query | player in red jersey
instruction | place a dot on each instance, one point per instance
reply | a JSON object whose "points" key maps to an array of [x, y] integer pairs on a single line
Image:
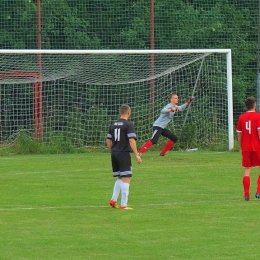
{"points": [[248, 134]]}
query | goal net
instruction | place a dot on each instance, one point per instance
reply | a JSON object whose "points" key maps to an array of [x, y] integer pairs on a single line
{"points": [[73, 96]]}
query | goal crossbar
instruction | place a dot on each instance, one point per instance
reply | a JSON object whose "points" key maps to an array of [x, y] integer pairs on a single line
{"points": [[51, 51]]}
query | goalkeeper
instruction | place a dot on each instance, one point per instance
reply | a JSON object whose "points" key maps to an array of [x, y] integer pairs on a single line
{"points": [[159, 126]]}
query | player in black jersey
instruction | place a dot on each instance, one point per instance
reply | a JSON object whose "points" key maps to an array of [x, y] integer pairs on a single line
{"points": [[121, 140]]}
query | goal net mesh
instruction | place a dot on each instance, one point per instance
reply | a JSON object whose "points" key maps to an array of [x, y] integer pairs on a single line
{"points": [[73, 98]]}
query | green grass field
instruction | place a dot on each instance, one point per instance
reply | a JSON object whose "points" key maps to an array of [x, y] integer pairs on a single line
{"points": [[187, 205]]}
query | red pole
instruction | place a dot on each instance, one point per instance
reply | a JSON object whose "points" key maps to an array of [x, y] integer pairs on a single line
{"points": [[35, 108], [39, 36], [152, 55]]}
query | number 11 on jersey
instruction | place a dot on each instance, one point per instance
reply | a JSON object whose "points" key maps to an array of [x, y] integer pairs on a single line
{"points": [[117, 134]]}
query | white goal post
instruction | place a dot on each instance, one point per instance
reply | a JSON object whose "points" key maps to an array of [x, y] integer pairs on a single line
{"points": [[72, 96]]}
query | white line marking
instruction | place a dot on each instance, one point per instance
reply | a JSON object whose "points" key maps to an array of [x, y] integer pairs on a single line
{"points": [[136, 206]]}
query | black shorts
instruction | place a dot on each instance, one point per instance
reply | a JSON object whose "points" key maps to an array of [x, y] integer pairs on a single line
{"points": [[158, 131], [121, 164]]}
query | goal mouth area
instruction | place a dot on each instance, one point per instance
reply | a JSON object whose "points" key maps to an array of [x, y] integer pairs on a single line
{"points": [[75, 94]]}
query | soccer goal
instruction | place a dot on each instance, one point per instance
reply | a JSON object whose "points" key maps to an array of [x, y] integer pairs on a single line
{"points": [[74, 95]]}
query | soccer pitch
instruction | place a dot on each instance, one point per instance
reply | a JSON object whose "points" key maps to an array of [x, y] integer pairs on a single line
{"points": [[187, 205]]}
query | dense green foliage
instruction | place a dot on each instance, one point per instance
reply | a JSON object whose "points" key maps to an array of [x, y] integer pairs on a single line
{"points": [[118, 24]]}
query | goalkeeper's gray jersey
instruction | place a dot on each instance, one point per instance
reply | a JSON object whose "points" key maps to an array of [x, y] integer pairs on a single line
{"points": [[165, 117]]}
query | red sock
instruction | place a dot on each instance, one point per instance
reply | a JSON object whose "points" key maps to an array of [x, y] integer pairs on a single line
{"points": [[258, 185], [146, 146], [246, 184], [167, 147]]}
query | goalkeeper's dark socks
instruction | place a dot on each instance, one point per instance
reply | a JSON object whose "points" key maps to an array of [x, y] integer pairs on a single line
{"points": [[146, 146], [246, 184], [258, 185], [167, 147]]}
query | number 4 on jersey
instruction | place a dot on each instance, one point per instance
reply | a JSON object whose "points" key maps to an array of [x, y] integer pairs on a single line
{"points": [[248, 126]]}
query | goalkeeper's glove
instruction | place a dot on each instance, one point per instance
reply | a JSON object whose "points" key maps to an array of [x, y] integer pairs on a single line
{"points": [[174, 109], [190, 100]]}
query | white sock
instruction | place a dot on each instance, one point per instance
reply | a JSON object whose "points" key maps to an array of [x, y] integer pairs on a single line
{"points": [[125, 193], [116, 190]]}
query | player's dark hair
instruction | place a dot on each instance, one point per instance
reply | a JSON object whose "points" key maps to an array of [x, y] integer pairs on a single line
{"points": [[250, 102], [124, 109], [170, 96]]}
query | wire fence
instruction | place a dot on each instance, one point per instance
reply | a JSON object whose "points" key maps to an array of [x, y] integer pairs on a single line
{"points": [[140, 24]]}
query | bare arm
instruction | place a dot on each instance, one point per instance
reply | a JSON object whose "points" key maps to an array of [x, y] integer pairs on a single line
{"points": [[135, 151], [239, 137], [109, 144]]}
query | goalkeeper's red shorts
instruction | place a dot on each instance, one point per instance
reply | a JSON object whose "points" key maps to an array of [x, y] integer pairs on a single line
{"points": [[251, 158]]}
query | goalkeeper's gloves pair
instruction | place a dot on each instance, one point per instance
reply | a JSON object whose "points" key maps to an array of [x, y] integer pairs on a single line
{"points": [[190, 100]]}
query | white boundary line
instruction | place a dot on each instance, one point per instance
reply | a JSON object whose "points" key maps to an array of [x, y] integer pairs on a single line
{"points": [[135, 206]]}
